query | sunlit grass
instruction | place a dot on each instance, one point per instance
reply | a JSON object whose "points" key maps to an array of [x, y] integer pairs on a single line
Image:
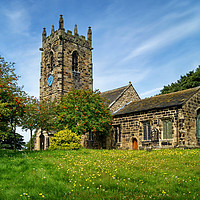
{"points": [[100, 174]]}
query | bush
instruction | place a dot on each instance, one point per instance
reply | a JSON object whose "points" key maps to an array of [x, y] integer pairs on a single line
{"points": [[65, 140]]}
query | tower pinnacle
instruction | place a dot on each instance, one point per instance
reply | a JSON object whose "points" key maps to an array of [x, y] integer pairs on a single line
{"points": [[44, 34], [61, 22], [89, 35], [75, 30], [52, 29]]}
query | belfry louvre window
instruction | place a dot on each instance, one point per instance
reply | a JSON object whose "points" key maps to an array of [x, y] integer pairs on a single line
{"points": [[117, 133], [51, 61], [146, 131], [167, 129], [75, 61]]}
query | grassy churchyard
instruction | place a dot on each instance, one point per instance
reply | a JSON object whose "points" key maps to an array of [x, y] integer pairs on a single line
{"points": [[100, 174]]}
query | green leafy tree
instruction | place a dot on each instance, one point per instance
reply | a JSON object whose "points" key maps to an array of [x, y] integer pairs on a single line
{"points": [[12, 100], [47, 115], [10, 142], [84, 111], [30, 144], [30, 118], [39, 115], [65, 140], [190, 80]]}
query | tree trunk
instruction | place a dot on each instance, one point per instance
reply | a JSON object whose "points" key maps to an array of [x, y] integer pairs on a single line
{"points": [[14, 131], [31, 134]]}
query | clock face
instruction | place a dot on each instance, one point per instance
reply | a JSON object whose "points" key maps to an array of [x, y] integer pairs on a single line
{"points": [[50, 80]]}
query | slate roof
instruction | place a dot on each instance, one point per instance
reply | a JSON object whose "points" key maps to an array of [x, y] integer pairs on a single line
{"points": [[111, 95], [160, 101]]}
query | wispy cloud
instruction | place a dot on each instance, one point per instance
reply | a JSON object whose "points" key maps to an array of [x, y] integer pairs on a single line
{"points": [[18, 19], [165, 38], [114, 79], [150, 92]]}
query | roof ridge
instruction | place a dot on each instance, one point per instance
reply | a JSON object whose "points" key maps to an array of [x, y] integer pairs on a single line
{"points": [[160, 101], [180, 91]]}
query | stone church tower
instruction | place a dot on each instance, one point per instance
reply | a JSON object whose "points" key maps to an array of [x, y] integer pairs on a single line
{"points": [[66, 62]]}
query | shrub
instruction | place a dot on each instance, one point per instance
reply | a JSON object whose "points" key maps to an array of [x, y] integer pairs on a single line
{"points": [[65, 140]]}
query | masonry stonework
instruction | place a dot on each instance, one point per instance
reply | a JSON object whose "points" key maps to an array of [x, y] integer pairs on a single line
{"points": [[132, 128], [182, 118], [66, 64], [119, 97], [163, 121], [127, 96], [67, 58], [188, 122]]}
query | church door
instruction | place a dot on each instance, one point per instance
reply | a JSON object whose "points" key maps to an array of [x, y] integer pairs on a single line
{"points": [[135, 146], [42, 142]]}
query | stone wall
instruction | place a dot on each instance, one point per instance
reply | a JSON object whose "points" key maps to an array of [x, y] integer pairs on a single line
{"points": [[183, 120], [41, 141], [56, 60], [127, 96], [132, 128], [93, 142], [187, 122]]}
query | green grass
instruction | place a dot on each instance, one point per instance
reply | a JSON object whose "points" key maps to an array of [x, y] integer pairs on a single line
{"points": [[100, 174]]}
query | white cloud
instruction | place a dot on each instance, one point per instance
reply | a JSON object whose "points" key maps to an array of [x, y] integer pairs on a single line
{"points": [[114, 79], [150, 92], [18, 19], [165, 38]]}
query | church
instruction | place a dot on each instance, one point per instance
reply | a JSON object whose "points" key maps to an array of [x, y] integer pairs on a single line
{"points": [[164, 121]]}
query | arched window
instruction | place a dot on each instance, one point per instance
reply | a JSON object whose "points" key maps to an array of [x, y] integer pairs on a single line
{"points": [[75, 61], [51, 61], [117, 134]]}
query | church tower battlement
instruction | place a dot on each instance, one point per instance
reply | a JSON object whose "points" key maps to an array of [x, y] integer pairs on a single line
{"points": [[66, 62]]}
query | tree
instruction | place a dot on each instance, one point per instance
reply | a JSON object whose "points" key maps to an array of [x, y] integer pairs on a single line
{"points": [[10, 142], [12, 100], [30, 118], [47, 115], [30, 144], [84, 111], [190, 80]]}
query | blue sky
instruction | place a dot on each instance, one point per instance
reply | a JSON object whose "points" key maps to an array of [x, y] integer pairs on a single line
{"points": [[150, 43]]}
